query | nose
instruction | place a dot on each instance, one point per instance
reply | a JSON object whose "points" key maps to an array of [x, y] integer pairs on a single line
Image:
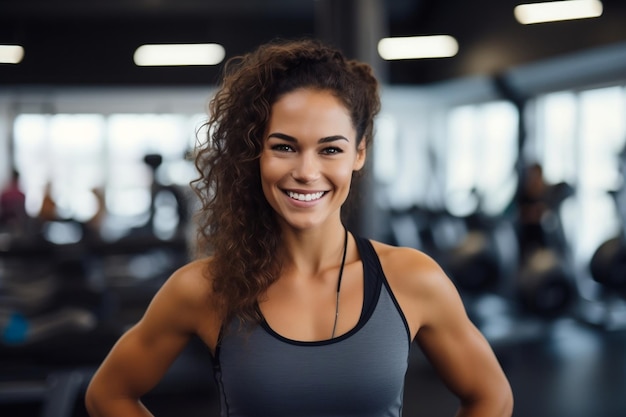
{"points": [[306, 168]]}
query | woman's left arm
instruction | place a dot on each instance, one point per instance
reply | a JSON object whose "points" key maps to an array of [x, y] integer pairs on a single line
{"points": [[439, 323]]}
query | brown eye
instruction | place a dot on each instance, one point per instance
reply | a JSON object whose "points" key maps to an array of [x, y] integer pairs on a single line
{"points": [[282, 147], [331, 150]]}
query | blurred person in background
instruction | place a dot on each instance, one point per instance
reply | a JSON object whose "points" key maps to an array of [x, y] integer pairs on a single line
{"points": [[13, 216], [532, 208], [48, 210]]}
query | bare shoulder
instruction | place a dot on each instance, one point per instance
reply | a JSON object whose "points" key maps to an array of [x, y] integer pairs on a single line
{"points": [[188, 294], [192, 281], [409, 269]]}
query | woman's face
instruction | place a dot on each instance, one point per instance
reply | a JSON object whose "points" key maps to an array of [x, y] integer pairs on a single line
{"points": [[308, 157]]}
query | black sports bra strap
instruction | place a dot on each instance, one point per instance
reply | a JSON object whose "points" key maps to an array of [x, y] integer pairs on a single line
{"points": [[372, 276]]}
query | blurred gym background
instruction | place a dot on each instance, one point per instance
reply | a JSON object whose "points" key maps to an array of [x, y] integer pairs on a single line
{"points": [[504, 157]]}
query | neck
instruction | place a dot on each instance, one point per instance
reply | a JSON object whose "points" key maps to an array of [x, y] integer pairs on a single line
{"points": [[312, 251]]}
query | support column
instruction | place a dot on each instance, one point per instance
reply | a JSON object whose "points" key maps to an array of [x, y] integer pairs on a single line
{"points": [[355, 27], [7, 119]]}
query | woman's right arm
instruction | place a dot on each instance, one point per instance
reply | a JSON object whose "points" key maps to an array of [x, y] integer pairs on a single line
{"points": [[141, 357]]}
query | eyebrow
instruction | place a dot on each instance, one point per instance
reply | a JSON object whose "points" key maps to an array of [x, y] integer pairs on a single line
{"points": [[288, 138]]}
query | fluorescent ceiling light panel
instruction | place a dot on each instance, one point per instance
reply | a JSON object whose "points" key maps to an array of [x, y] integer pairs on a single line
{"points": [[11, 54], [418, 47], [531, 13], [179, 54]]}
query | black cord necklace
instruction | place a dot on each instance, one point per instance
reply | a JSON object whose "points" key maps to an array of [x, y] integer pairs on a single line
{"points": [[343, 262]]}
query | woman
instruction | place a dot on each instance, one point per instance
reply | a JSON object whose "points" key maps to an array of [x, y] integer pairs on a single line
{"points": [[302, 318]]}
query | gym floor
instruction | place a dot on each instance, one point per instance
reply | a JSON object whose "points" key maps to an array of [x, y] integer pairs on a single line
{"points": [[559, 368]]}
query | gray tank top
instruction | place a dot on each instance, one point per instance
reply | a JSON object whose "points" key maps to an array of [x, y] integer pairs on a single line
{"points": [[359, 374]]}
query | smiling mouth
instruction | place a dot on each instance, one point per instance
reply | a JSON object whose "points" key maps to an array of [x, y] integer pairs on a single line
{"points": [[305, 197]]}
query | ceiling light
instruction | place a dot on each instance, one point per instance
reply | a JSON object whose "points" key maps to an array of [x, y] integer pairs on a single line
{"points": [[554, 11], [11, 54], [418, 47], [179, 54]]}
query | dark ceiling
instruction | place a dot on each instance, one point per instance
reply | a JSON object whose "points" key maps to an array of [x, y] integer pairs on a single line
{"points": [[91, 42]]}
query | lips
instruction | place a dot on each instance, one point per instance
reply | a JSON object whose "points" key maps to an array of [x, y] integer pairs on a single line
{"points": [[305, 196]]}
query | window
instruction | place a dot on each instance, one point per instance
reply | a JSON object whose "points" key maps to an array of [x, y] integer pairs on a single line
{"points": [[75, 156], [579, 139], [480, 155]]}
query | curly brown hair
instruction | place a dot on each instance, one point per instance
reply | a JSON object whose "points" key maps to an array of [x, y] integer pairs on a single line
{"points": [[236, 223]]}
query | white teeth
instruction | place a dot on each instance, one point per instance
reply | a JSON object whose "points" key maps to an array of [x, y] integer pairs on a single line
{"points": [[305, 197]]}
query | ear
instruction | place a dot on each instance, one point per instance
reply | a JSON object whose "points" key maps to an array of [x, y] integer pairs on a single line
{"points": [[361, 153]]}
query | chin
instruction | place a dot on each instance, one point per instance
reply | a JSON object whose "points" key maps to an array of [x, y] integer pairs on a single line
{"points": [[301, 224]]}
